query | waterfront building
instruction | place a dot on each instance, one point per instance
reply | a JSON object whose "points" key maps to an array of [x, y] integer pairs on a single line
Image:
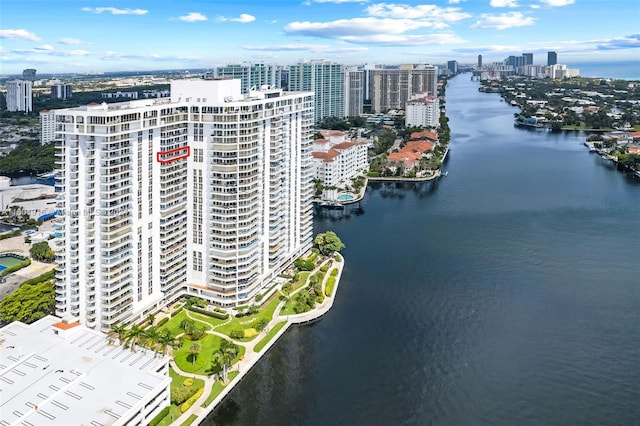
{"points": [[60, 373], [392, 88], [452, 66], [206, 193], [29, 74], [353, 92], [552, 58], [252, 75], [338, 160], [61, 91], [20, 95], [326, 79], [479, 61], [133, 94], [422, 110], [561, 71], [47, 126]]}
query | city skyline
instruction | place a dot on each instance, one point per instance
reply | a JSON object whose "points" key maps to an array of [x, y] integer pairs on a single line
{"points": [[143, 35]]}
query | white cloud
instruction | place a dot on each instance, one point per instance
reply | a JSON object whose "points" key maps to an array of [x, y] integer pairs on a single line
{"points": [[503, 21], [244, 18], [192, 17], [69, 40], [504, 3], [18, 34], [558, 2], [341, 1], [455, 1], [315, 48], [46, 47], [428, 12], [115, 11], [406, 40], [354, 27], [535, 6]]}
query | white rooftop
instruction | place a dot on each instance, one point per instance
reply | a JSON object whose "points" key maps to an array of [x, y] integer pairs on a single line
{"points": [[71, 378]]}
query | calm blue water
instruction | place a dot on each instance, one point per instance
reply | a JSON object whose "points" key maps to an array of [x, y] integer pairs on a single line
{"points": [[626, 70], [507, 293]]}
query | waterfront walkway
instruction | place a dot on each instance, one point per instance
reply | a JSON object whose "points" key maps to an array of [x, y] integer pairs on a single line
{"points": [[251, 357]]}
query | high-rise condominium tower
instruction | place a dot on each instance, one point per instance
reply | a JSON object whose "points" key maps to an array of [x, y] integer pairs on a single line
{"points": [[392, 88], [326, 80], [552, 58], [252, 75], [20, 95], [479, 61], [353, 92], [207, 193]]}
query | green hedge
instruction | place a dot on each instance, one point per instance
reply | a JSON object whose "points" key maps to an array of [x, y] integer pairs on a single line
{"points": [[331, 282], [177, 311], [160, 417], [10, 235], [162, 322], [209, 313], [47, 276], [334, 272], [189, 402], [15, 267]]}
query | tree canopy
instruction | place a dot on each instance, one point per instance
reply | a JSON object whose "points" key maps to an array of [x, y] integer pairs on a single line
{"points": [[328, 242], [42, 252], [28, 303]]}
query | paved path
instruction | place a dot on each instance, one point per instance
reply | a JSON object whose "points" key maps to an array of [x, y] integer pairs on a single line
{"points": [[251, 357]]}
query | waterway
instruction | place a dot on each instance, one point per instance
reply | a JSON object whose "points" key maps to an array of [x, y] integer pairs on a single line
{"points": [[505, 293]]}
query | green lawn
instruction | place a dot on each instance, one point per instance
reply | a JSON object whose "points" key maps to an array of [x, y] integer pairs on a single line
{"points": [[174, 410], [217, 388], [274, 330], [209, 320], [174, 323], [331, 282], [303, 277], [249, 321], [202, 363], [190, 420]]}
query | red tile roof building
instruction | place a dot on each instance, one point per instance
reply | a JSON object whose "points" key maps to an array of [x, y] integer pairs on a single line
{"points": [[337, 160]]}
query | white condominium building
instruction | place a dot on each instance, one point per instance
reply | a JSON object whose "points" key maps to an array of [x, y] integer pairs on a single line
{"points": [[20, 95], [353, 92], [206, 193], [338, 160], [252, 75], [422, 110], [47, 126], [326, 80]]}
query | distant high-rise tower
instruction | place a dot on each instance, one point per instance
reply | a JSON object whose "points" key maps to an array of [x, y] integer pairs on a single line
{"points": [[452, 66], [479, 61], [61, 91], [20, 95], [252, 75], [29, 74], [326, 80], [392, 88], [552, 58], [528, 58], [353, 92]]}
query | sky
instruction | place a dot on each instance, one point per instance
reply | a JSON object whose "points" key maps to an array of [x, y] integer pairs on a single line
{"points": [[67, 36]]}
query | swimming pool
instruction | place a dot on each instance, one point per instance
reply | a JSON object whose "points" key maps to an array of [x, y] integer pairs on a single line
{"points": [[346, 197]]}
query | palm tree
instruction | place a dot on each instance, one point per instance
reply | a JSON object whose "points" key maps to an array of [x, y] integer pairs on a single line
{"points": [[224, 356], [167, 340], [133, 336], [118, 332], [149, 337], [194, 350]]}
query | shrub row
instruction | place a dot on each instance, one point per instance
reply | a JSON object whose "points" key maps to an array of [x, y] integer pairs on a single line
{"points": [[160, 417], [189, 402], [177, 311], [49, 275], [15, 267], [162, 322], [209, 313], [334, 272], [331, 282]]}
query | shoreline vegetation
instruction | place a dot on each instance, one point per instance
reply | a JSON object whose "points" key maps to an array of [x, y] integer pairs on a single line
{"points": [[608, 110], [211, 350]]}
